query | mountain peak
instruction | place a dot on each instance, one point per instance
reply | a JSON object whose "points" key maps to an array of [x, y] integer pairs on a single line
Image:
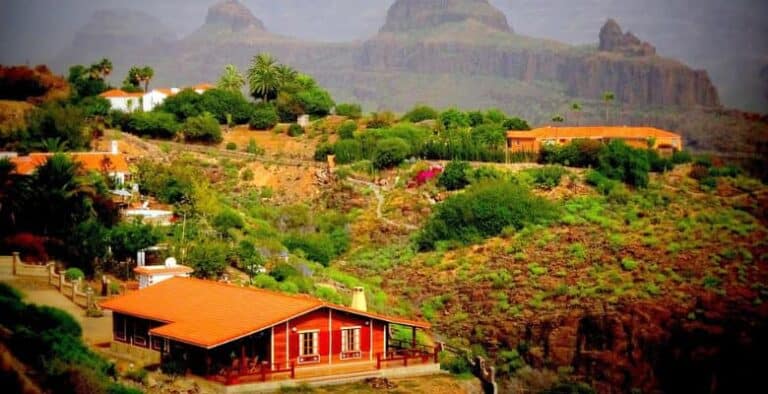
{"points": [[613, 39], [234, 15], [406, 15]]}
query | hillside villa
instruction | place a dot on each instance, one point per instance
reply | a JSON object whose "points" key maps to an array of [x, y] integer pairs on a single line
{"points": [[639, 137], [121, 100], [112, 163], [235, 335]]}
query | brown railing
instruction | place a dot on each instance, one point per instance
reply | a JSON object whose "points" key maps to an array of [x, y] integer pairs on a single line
{"points": [[407, 355], [233, 376]]}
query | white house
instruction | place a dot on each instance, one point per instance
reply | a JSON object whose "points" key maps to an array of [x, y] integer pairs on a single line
{"points": [[123, 101], [132, 102], [153, 274]]}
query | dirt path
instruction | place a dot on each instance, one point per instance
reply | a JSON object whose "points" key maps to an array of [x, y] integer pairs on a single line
{"points": [[377, 191], [95, 330]]}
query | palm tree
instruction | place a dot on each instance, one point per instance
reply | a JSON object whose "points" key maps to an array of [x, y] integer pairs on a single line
{"points": [[264, 77], [145, 75], [286, 74], [576, 109], [557, 118], [231, 79], [608, 98], [52, 145]]}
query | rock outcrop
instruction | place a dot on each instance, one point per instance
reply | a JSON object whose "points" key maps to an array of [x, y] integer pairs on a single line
{"points": [[408, 15], [612, 39], [233, 15]]}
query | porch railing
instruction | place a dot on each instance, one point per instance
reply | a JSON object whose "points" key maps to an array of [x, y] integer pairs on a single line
{"points": [[264, 372], [407, 356]]}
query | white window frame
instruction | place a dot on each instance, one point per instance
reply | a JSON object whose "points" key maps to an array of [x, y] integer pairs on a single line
{"points": [[356, 345], [315, 343]]}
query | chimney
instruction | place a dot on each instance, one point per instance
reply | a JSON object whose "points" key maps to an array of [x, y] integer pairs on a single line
{"points": [[358, 300], [114, 147]]}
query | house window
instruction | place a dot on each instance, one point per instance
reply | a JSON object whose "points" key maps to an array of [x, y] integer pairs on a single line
{"points": [[160, 344], [140, 330], [309, 343], [350, 343], [350, 339]]}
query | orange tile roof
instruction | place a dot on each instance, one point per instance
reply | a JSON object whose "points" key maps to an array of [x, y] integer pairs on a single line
{"points": [[89, 161], [115, 93], [208, 314], [203, 86], [593, 132], [163, 270]]}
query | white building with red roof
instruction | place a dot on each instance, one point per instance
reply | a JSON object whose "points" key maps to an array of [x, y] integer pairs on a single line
{"points": [[121, 100]]}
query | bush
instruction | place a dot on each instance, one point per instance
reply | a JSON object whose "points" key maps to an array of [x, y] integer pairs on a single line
{"points": [[264, 117], [484, 210], [380, 120], [352, 111], [421, 113], [254, 148], [347, 130], [231, 146], [348, 151], [317, 247], [183, 105], [548, 177], [455, 176], [73, 274], [390, 152], [658, 163], [603, 184], [65, 122], [315, 101], [621, 162], [681, 157], [295, 130], [582, 153], [203, 128], [221, 103], [95, 106], [454, 119], [227, 220], [208, 259], [516, 124], [323, 151], [153, 124]]}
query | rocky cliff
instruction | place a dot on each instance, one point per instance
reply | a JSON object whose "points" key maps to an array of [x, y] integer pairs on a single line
{"points": [[407, 15], [233, 15]]}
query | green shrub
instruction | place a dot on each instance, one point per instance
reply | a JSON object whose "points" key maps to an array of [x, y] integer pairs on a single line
{"points": [[183, 105], [231, 146], [390, 152], [264, 117], [453, 119], [203, 128], [352, 111], [548, 177], [628, 264], [484, 210], [317, 247], [681, 157], [295, 130], [73, 274], [455, 364], [153, 124], [221, 103], [455, 176], [516, 124], [208, 259], [601, 182], [348, 151], [658, 163], [380, 120], [315, 101], [95, 106], [347, 130], [253, 148], [247, 175], [323, 151], [421, 113], [227, 220], [577, 153], [621, 162]]}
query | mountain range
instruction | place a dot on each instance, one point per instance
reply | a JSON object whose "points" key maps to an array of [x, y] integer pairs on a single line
{"points": [[728, 39]]}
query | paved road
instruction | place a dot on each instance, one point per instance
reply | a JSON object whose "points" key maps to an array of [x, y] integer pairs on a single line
{"points": [[95, 330]]}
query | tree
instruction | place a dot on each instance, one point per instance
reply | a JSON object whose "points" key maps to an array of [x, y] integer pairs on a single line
{"points": [[202, 128], [231, 79], [264, 117], [390, 152], [621, 162], [250, 258], [421, 113], [557, 118], [264, 77], [221, 103], [350, 110], [138, 77], [183, 104], [102, 69], [576, 110], [126, 239], [454, 119], [608, 98], [85, 82], [208, 259]]}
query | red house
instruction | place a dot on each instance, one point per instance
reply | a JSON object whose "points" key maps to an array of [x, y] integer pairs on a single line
{"points": [[238, 335]]}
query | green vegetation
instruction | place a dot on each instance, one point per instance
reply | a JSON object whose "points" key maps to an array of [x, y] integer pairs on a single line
{"points": [[483, 211], [48, 341], [352, 111], [421, 113], [264, 117], [455, 176], [203, 128]]}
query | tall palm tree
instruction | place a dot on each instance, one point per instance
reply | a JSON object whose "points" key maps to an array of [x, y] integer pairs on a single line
{"points": [[576, 109], [231, 79], [608, 98], [264, 77], [286, 74], [55, 144], [145, 75]]}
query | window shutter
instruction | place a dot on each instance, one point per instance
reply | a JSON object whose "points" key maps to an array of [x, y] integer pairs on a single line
{"points": [[344, 341], [315, 342], [356, 345]]}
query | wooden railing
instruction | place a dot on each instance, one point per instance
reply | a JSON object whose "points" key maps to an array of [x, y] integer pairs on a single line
{"points": [[265, 371], [407, 355]]}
